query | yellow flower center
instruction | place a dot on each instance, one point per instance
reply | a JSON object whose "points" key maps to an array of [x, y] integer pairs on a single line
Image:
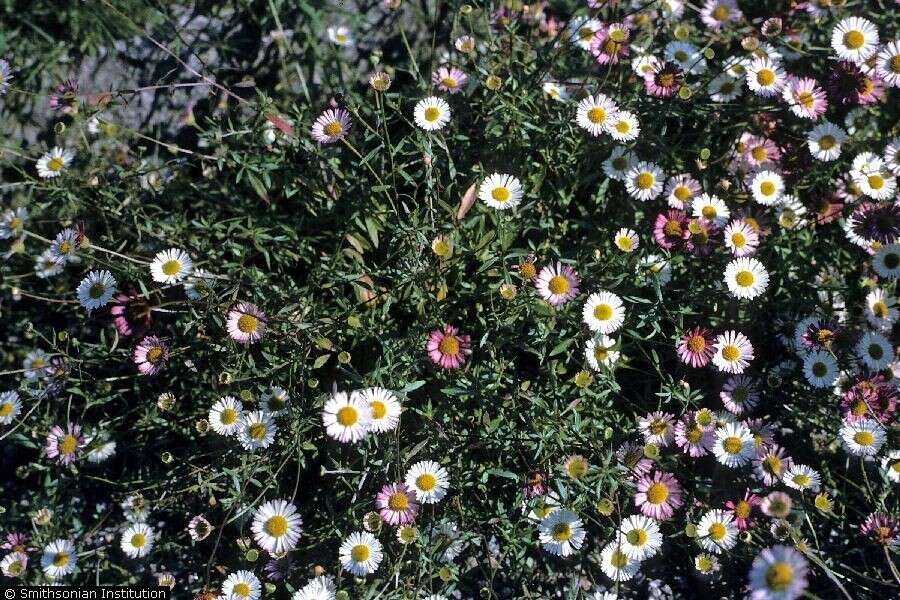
{"points": [[500, 194], [65, 247], [827, 142], [694, 435], [681, 55], [6, 409], [171, 267], [618, 559], [603, 312], [449, 82], [334, 128], [742, 509], [60, 559], [449, 346], [657, 493], [895, 63], [880, 309], [241, 589], [732, 445], [558, 285], [426, 482], [623, 127], [229, 416], [139, 540], [765, 77], [864, 438], [601, 353], [772, 464], [562, 532], [744, 278], [876, 182], [767, 188], [709, 212], [658, 427], [347, 416], [624, 242], [644, 181], [55, 164], [779, 576], [596, 115], [673, 228], [720, 12], [276, 526], [398, 501], [801, 479], [67, 445], [854, 39], [806, 99], [738, 239], [154, 355], [759, 153], [258, 431], [717, 531], [432, 114], [359, 553], [682, 193], [617, 36], [637, 537], [379, 409]]}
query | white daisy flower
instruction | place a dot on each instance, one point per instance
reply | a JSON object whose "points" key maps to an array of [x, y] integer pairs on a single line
{"points": [[501, 191], [887, 63], [346, 417], [865, 163], [886, 261], [734, 445], [600, 352], [561, 533], [680, 191], [890, 464], [875, 350], [96, 290], [623, 126], [824, 141], [274, 400], [242, 585], [820, 369], [882, 310], [685, 55], [879, 185], [725, 88], [594, 112], [778, 573], [712, 208], [256, 429], [618, 164], [59, 558], [657, 267], [644, 181], [385, 409], [639, 537], [12, 223], [103, 452], [855, 39], [53, 163], [717, 532], [626, 240], [361, 553], [556, 91], [741, 238], [10, 407], [171, 266], [746, 278], [432, 113], [801, 477], [14, 564], [137, 540], [767, 187], [862, 438], [339, 35], [616, 565], [790, 212], [277, 526], [764, 77], [582, 31], [320, 588], [225, 415], [428, 480], [603, 312]]}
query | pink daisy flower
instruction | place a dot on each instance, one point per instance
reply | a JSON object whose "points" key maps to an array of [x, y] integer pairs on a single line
{"points": [[631, 456], [447, 349], [881, 528], [741, 238], [806, 99], [759, 152], [695, 348], [742, 510], [656, 428], [449, 79], [770, 464], [131, 313], [17, 542], [658, 496], [557, 284], [610, 43], [65, 445], [397, 504], [681, 190], [664, 80], [670, 229], [151, 355], [246, 323], [331, 126], [777, 505], [692, 438], [718, 13]]}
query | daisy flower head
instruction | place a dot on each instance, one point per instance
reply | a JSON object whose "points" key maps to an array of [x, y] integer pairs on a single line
{"points": [[65, 445], [501, 191], [600, 352], [199, 528], [623, 126], [361, 553], [246, 323], [428, 480], [746, 278], [225, 415], [734, 445], [65, 246], [644, 181], [670, 230], [53, 163], [654, 267], [791, 212], [242, 585], [346, 417], [820, 369], [767, 187], [12, 223], [712, 208], [693, 439], [805, 98], [663, 79], [717, 532], [875, 350], [882, 310], [680, 191], [741, 238], [887, 64], [724, 88], [594, 112], [447, 348], [864, 437], [256, 430], [449, 79], [318, 588], [10, 407], [770, 463], [555, 91], [397, 504], [59, 558], [626, 240], [616, 565], [881, 528], [558, 284], [801, 477], [150, 355], [432, 113], [695, 347], [855, 39], [877, 184], [277, 526], [765, 77], [639, 537], [603, 312], [331, 126], [739, 394], [886, 261], [658, 495], [717, 14], [561, 533], [583, 30], [619, 162], [96, 290], [610, 44], [274, 400], [778, 573], [687, 56], [14, 563], [171, 266], [385, 409], [339, 35], [742, 510], [733, 352], [656, 428], [137, 540]]}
